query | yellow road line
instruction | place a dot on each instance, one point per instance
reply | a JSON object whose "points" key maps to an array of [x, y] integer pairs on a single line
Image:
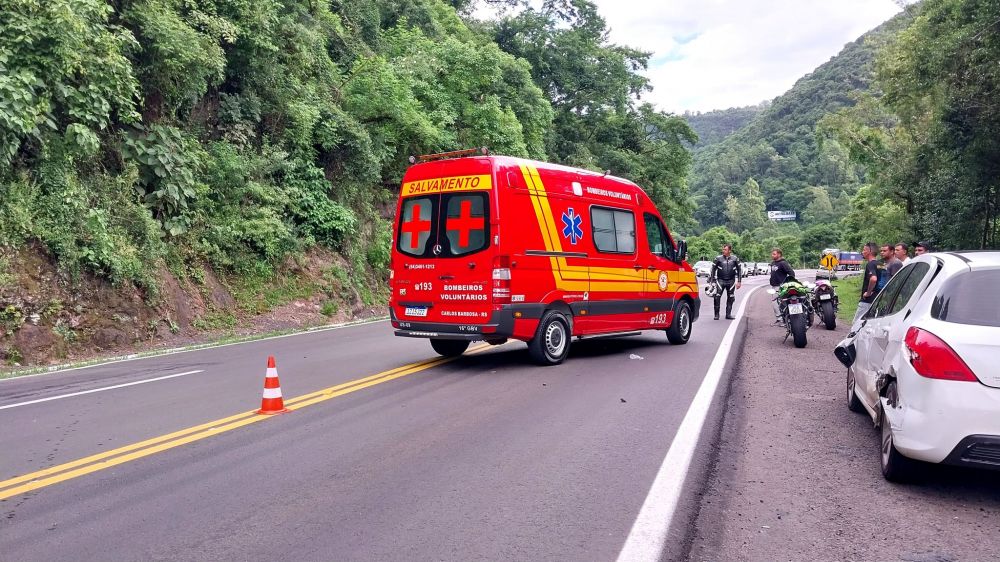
{"points": [[108, 459]]}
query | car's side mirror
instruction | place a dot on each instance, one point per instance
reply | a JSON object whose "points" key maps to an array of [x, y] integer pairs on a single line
{"points": [[846, 354], [682, 250]]}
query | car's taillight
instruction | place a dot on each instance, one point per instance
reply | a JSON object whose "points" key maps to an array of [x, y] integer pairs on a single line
{"points": [[934, 359], [501, 280]]}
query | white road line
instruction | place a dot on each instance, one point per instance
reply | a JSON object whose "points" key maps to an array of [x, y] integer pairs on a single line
{"points": [[102, 389], [188, 349], [648, 536]]}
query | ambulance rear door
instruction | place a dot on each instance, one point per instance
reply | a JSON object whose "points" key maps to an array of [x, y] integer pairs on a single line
{"points": [[445, 249]]}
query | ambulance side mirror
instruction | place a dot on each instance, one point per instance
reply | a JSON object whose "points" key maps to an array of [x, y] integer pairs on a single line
{"points": [[682, 250]]}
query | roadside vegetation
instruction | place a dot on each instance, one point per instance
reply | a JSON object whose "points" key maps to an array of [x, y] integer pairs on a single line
{"points": [[849, 293], [231, 139], [157, 143], [895, 139]]}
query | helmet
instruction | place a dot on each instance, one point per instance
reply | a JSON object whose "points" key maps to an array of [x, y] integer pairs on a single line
{"points": [[713, 289]]}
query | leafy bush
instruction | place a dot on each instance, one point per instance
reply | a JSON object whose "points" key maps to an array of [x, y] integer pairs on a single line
{"points": [[167, 162]]}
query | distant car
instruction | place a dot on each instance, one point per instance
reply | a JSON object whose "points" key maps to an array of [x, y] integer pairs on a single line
{"points": [[703, 268], [824, 273], [923, 363], [746, 269], [763, 268]]}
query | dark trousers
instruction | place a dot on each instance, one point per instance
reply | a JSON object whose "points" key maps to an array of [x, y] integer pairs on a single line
{"points": [[728, 287]]}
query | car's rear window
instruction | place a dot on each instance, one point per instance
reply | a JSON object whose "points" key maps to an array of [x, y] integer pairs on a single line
{"points": [[969, 298]]}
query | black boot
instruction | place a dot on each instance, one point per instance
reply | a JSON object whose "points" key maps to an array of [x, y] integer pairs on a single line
{"points": [[729, 310], [716, 309]]}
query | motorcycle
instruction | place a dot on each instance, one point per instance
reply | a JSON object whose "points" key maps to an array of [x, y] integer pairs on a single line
{"points": [[825, 303], [796, 310]]}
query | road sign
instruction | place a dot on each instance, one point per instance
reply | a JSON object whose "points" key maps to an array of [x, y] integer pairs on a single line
{"points": [[829, 261]]}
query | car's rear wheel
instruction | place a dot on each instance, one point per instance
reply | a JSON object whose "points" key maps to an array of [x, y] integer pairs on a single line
{"points": [[853, 402], [895, 467], [679, 331], [550, 346], [449, 348]]}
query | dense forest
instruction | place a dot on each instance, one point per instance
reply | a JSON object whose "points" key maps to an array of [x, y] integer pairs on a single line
{"points": [[235, 133], [777, 162], [148, 142], [895, 139], [715, 126]]}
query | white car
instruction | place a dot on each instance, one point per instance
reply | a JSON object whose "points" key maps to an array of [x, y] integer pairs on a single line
{"points": [[924, 363], [703, 268], [824, 273], [763, 268]]}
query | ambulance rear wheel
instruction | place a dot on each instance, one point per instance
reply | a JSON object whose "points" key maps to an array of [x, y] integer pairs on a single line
{"points": [[550, 346], [679, 331], [450, 348]]}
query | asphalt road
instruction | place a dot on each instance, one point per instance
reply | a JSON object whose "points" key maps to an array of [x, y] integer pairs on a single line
{"points": [[795, 475], [485, 457]]}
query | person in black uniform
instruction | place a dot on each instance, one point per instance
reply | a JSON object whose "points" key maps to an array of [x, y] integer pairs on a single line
{"points": [[726, 270], [781, 271]]}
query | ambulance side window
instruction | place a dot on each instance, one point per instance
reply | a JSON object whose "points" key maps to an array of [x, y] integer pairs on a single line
{"points": [[613, 230], [416, 225]]}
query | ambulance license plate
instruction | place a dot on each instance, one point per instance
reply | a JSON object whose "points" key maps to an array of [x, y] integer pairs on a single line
{"points": [[825, 297], [795, 308], [416, 311]]}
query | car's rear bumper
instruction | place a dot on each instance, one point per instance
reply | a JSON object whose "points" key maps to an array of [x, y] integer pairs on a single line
{"points": [[978, 451], [939, 416]]}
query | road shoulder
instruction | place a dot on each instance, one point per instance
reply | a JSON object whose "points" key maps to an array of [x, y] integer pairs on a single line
{"points": [[795, 476]]}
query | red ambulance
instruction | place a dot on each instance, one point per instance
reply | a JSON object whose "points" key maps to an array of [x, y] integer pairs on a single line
{"points": [[493, 247]]}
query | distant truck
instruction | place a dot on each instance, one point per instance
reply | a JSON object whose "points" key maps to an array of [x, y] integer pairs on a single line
{"points": [[849, 261]]}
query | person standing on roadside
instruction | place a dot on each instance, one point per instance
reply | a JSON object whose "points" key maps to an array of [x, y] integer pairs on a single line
{"points": [[780, 273], [889, 266], [922, 247], [726, 269], [902, 252], [869, 282]]}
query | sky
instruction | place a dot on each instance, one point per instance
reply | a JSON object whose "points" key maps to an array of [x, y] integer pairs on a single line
{"points": [[716, 54]]}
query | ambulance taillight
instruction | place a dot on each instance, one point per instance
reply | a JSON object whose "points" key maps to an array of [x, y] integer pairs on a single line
{"points": [[501, 280]]}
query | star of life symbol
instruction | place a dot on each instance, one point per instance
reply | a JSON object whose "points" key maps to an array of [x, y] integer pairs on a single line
{"points": [[571, 228]]}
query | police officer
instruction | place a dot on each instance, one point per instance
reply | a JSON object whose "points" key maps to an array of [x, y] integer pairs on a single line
{"points": [[726, 270]]}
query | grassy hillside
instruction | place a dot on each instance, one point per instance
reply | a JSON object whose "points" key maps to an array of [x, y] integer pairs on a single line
{"points": [[778, 148], [715, 126]]}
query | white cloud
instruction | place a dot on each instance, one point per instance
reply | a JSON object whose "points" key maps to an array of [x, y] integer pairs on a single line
{"points": [[714, 54]]}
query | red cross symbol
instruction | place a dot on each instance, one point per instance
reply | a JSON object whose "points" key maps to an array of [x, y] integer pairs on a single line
{"points": [[465, 223], [415, 227]]}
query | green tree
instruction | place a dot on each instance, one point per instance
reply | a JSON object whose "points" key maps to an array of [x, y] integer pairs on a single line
{"points": [[594, 87], [929, 142], [709, 243], [818, 237], [746, 212], [875, 219]]}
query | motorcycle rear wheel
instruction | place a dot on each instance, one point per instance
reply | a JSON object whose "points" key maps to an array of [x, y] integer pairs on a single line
{"points": [[829, 316], [797, 325]]}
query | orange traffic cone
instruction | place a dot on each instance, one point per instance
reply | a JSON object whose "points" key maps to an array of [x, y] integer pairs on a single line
{"points": [[272, 403]]}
